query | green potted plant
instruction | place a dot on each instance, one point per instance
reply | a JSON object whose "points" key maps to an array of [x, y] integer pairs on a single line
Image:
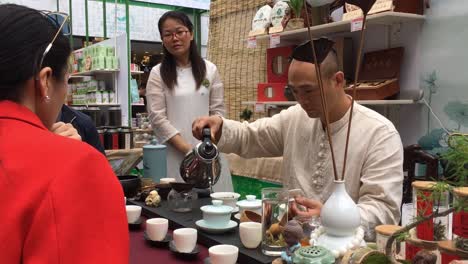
{"points": [[246, 114], [295, 10], [455, 176]]}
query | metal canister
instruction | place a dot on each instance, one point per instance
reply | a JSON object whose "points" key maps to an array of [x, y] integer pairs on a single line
{"points": [[111, 138], [155, 162], [101, 132], [125, 138]]}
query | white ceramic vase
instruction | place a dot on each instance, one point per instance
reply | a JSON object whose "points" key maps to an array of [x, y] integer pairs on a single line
{"points": [[340, 215]]}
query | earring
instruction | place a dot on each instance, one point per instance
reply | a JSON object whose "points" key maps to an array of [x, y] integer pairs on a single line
{"points": [[47, 99]]}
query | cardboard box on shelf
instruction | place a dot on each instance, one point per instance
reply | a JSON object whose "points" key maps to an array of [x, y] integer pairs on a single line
{"points": [[278, 64], [380, 73]]}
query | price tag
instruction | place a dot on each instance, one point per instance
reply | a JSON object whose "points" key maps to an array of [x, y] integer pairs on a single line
{"points": [[352, 15], [274, 40], [252, 43], [259, 108], [356, 24]]}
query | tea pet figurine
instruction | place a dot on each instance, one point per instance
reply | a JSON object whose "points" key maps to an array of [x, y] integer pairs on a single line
{"points": [[153, 199], [293, 234], [425, 257]]}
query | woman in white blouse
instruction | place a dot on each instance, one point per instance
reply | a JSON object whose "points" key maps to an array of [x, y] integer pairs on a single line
{"points": [[182, 87]]}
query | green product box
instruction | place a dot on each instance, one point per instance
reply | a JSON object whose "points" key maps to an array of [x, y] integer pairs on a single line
{"points": [[89, 51], [82, 89], [110, 51], [79, 99], [101, 51], [109, 63], [92, 51], [92, 86], [99, 63], [91, 97]]}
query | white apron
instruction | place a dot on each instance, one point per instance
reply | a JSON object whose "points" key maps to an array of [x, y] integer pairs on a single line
{"points": [[182, 110]]}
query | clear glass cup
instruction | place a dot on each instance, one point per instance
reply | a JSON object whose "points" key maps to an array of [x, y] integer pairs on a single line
{"points": [[274, 218], [182, 197]]}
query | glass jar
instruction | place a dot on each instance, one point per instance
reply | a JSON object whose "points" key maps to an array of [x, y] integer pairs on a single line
{"points": [[460, 219], [425, 203], [414, 245], [274, 218], [182, 197], [448, 252], [383, 233]]}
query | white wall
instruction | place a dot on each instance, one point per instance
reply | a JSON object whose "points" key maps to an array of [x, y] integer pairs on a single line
{"points": [[205, 28]]}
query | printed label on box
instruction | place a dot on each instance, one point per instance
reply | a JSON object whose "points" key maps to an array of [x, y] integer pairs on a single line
{"points": [[274, 40], [259, 108], [252, 43]]}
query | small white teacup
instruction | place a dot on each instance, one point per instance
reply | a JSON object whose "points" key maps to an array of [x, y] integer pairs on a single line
{"points": [[156, 228], [250, 234], [185, 239], [223, 254], [167, 180], [133, 213]]}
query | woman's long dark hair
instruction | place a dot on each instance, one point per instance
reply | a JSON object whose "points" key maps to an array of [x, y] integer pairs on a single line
{"points": [[168, 65], [25, 35]]}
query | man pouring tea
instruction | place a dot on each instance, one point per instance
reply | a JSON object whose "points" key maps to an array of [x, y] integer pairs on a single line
{"points": [[374, 171]]}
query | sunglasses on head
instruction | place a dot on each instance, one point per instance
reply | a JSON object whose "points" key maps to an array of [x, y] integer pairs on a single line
{"points": [[62, 23], [304, 53]]}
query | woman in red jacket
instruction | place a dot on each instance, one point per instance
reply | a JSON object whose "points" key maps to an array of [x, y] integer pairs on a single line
{"points": [[60, 200]]}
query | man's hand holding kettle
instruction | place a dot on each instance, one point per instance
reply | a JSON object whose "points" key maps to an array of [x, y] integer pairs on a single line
{"points": [[215, 123]]}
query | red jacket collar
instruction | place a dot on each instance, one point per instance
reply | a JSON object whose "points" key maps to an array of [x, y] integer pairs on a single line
{"points": [[12, 110]]}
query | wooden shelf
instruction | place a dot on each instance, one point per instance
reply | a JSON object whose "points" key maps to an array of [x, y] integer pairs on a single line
{"points": [[92, 73], [362, 102], [139, 130], [137, 72], [116, 152], [342, 27], [87, 105]]}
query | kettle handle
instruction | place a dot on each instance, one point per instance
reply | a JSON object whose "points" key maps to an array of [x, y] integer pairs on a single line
{"points": [[206, 134]]}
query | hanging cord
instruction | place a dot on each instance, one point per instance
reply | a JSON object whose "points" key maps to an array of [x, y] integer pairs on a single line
{"points": [[435, 116]]}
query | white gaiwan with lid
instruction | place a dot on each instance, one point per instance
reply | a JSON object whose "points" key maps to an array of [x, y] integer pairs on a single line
{"points": [[341, 220], [250, 203], [217, 215]]}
